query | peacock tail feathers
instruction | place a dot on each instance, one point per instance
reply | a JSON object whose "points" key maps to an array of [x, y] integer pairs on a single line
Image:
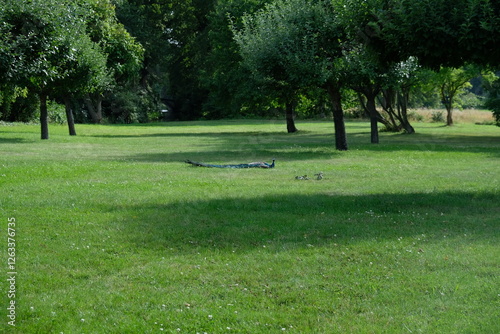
{"points": [[248, 165]]}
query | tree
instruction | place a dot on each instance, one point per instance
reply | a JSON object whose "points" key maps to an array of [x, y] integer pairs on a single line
{"points": [[37, 47], [124, 54], [401, 79], [365, 76], [450, 82], [176, 38], [292, 45], [492, 86], [86, 73], [367, 71], [229, 85]]}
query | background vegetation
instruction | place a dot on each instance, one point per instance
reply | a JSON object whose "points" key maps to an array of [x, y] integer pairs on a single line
{"points": [[123, 61]]}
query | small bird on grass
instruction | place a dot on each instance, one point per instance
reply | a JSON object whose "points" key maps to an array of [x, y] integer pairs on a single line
{"points": [[319, 176]]}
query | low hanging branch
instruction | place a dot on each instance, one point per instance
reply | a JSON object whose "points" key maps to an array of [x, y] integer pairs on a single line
{"points": [[248, 165]]}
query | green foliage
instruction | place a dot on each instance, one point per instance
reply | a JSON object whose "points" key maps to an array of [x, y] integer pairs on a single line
{"points": [[185, 50], [17, 105], [175, 36], [492, 101], [291, 44], [126, 106], [35, 34], [57, 112], [452, 83], [425, 95], [465, 30], [469, 100], [68, 48], [86, 72], [229, 85], [124, 53]]}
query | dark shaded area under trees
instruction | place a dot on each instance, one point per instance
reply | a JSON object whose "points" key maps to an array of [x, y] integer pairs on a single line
{"points": [[125, 60]]}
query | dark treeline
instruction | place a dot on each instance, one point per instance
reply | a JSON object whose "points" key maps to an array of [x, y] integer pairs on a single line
{"points": [[127, 60]]}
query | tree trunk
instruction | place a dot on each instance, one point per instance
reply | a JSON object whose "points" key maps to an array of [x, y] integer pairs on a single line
{"points": [[95, 110], [69, 116], [290, 123], [338, 117], [370, 104], [449, 116], [447, 100], [387, 102], [44, 116], [361, 99], [403, 106]]}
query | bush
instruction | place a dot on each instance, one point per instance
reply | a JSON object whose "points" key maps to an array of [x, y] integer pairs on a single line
{"points": [[414, 116], [16, 105], [354, 113], [130, 107], [57, 112], [437, 116]]}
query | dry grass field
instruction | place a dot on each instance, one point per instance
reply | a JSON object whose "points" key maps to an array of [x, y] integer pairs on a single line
{"points": [[459, 116]]}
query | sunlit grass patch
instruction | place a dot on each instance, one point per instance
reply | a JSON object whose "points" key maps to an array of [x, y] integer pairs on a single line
{"points": [[117, 234]]}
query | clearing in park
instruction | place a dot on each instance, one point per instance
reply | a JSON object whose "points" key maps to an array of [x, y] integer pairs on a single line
{"points": [[115, 233]]}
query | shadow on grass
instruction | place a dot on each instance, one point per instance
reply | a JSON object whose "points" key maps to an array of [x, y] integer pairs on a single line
{"points": [[295, 221], [245, 147], [195, 134], [230, 156], [13, 140], [305, 144]]}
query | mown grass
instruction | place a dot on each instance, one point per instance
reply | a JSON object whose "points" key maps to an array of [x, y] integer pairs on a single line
{"points": [[115, 234]]}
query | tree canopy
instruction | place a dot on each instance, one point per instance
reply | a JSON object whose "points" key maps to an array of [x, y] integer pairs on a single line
{"points": [[224, 58], [437, 32]]}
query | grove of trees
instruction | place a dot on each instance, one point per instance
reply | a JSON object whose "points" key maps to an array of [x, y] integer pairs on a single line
{"points": [[125, 60]]}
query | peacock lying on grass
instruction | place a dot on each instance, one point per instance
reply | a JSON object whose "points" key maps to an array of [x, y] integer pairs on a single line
{"points": [[248, 165]]}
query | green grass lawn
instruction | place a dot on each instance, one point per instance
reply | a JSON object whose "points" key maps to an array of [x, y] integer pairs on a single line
{"points": [[115, 234]]}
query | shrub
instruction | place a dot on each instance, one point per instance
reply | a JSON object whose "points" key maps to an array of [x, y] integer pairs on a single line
{"points": [[57, 112], [16, 105], [414, 116], [437, 116], [130, 107]]}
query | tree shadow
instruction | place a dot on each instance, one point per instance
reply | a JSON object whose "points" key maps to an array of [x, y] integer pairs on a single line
{"points": [[193, 134], [231, 156], [429, 142], [12, 140], [264, 145], [291, 221]]}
